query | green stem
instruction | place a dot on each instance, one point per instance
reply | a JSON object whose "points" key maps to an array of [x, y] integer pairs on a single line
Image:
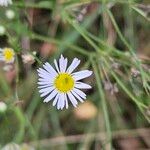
{"points": [[82, 32], [59, 42], [124, 87], [103, 102], [17, 79], [137, 61], [20, 134]]}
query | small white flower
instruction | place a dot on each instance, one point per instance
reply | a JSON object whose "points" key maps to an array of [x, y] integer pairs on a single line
{"points": [[5, 2], [2, 30], [3, 107], [7, 55], [62, 84], [10, 14]]}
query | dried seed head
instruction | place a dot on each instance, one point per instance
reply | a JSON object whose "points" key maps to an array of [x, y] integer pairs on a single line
{"points": [[112, 88], [108, 85], [28, 59], [134, 72]]}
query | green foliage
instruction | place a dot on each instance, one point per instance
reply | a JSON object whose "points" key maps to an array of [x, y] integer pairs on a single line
{"points": [[87, 39]]}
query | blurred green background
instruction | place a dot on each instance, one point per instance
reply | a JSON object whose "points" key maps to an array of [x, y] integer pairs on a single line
{"points": [[111, 37]]}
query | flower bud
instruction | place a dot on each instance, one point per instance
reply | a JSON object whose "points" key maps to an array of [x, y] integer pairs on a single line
{"points": [[2, 30], [3, 107], [10, 14]]}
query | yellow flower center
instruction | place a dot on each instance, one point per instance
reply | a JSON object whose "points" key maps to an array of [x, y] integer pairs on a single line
{"points": [[8, 54], [64, 82]]}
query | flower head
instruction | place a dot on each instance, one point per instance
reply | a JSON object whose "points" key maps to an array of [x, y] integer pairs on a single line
{"points": [[7, 55], [62, 85], [5, 2]]}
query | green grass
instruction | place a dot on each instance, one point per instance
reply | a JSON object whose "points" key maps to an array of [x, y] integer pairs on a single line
{"points": [[40, 124]]}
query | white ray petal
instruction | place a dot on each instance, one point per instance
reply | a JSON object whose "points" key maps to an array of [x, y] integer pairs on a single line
{"points": [[56, 99], [44, 76], [77, 96], [44, 86], [61, 63], [50, 69], [79, 92], [72, 99], [51, 96], [81, 74], [65, 64], [45, 79], [43, 73], [56, 65], [81, 85], [61, 102], [73, 65], [66, 100], [46, 91], [44, 83]]}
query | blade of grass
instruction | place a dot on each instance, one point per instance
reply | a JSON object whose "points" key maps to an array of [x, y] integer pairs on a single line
{"points": [[21, 131], [139, 104], [138, 63], [103, 102], [87, 139], [82, 32], [59, 42], [56, 126], [139, 11]]}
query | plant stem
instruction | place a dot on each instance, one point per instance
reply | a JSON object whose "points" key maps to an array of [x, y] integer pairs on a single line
{"points": [[103, 102]]}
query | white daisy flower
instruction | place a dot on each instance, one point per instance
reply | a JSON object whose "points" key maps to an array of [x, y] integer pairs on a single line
{"points": [[5, 2], [7, 55], [62, 85]]}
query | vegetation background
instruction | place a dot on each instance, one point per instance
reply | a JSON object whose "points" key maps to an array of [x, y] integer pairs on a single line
{"points": [[111, 37]]}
